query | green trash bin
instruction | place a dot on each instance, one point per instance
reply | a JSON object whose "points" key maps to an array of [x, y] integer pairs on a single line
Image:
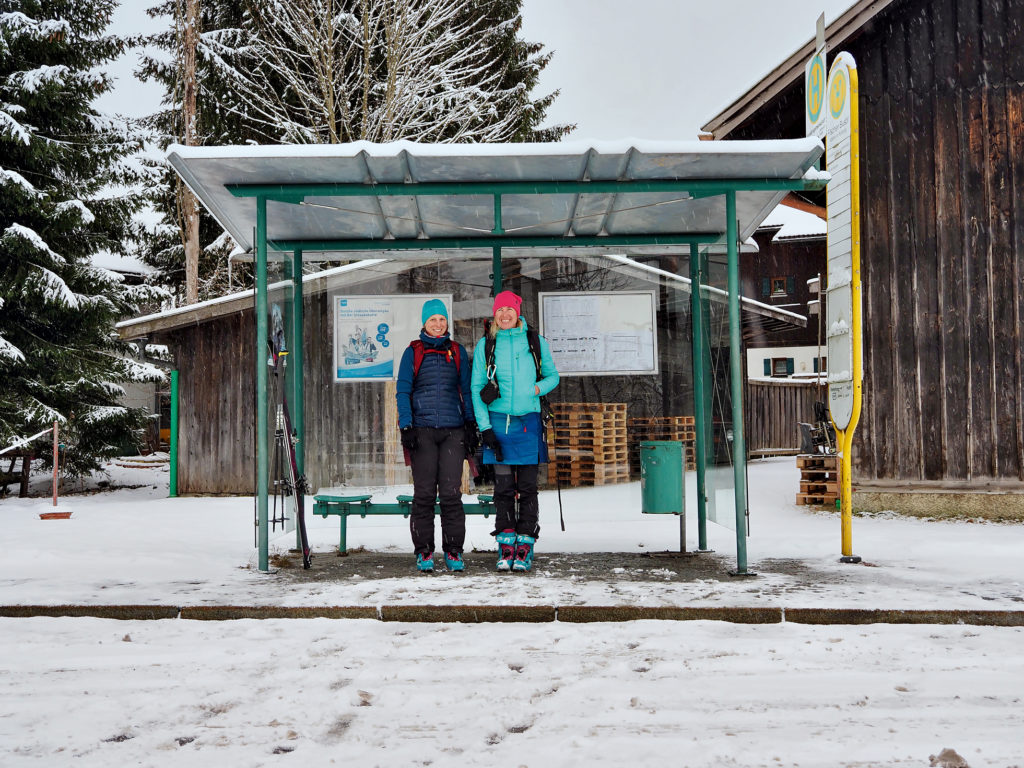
{"points": [[661, 477]]}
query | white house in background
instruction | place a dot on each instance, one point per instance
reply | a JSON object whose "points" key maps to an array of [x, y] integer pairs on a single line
{"points": [[784, 274]]}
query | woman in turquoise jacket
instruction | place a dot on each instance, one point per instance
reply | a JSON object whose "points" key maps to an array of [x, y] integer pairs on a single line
{"points": [[510, 426]]}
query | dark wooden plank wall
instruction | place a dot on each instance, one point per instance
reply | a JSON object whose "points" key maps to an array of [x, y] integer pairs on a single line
{"points": [[942, 142], [942, 248], [799, 258], [216, 406]]}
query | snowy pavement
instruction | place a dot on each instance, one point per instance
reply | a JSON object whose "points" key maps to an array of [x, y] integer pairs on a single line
{"points": [[139, 547], [93, 692]]}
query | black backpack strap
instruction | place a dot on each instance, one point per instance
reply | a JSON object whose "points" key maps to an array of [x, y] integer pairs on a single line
{"points": [[533, 339], [489, 344]]}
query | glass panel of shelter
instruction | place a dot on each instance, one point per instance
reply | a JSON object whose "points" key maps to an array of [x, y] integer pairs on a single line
{"points": [[350, 429]]}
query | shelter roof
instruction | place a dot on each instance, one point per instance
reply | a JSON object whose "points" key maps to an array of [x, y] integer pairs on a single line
{"points": [[365, 199]]}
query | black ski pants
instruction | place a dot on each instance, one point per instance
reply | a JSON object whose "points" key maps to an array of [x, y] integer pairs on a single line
{"points": [[437, 474], [512, 483]]}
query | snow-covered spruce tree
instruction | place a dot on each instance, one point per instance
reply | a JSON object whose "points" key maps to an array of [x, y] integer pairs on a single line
{"points": [[60, 358], [380, 70], [517, 65], [328, 71]]}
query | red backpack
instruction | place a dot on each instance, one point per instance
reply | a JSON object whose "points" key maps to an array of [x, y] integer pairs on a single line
{"points": [[419, 350]]}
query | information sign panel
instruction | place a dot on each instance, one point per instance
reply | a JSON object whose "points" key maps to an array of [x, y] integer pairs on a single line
{"points": [[372, 332], [601, 333], [842, 156]]}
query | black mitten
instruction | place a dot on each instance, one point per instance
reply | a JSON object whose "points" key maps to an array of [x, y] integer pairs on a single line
{"points": [[472, 438], [491, 441], [409, 439]]}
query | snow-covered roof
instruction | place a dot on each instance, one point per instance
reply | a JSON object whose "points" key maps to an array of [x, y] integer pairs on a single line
{"points": [[225, 178], [793, 222]]}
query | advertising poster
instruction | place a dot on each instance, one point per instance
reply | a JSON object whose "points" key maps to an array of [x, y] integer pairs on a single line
{"points": [[372, 332]]}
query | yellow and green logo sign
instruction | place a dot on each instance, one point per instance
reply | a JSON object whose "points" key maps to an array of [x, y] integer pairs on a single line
{"points": [[837, 93], [815, 88]]}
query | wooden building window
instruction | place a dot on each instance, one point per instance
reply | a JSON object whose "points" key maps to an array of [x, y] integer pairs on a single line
{"points": [[782, 366], [779, 286]]}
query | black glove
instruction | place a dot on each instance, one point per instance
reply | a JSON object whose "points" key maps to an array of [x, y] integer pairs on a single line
{"points": [[472, 437], [409, 438], [491, 441]]}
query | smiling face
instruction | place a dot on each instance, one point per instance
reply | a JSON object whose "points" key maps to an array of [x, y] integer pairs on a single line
{"points": [[506, 317], [436, 325]]}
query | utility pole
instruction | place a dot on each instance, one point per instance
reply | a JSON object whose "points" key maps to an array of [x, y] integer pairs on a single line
{"points": [[188, 20]]}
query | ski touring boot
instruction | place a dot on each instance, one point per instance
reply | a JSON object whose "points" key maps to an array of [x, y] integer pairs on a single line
{"points": [[506, 549], [425, 562], [524, 553], [453, 561]]}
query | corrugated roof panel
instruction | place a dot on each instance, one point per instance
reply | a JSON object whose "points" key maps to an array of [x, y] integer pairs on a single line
{"points": [[209, 171]]}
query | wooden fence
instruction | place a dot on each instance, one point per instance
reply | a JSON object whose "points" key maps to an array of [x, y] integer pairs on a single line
{"points": [[774, 410]]}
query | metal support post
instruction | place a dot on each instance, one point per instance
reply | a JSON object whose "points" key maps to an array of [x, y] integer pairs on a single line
{"points": [[173, 439], [701, 414], [739, 447], [262, 463], [297, 390], [496, 276]]}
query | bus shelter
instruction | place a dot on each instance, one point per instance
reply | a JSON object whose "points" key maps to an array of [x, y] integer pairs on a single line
{"points": [[445, 201]]}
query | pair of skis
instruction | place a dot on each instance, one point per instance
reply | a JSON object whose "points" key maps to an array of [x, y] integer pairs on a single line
{"points": [[295, 485]]}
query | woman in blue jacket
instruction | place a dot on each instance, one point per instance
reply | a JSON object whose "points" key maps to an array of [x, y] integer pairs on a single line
{"points": [[435, 417], [510, 426]]}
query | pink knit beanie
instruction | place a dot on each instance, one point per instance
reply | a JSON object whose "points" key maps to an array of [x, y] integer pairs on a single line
{"points": [[507, 299]]}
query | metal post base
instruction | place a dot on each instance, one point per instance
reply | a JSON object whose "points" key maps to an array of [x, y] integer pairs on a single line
{"points": [[849, 559], [742, 574]]}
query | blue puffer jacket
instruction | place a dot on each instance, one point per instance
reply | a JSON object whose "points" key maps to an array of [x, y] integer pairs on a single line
{"points": [[438, 396]]}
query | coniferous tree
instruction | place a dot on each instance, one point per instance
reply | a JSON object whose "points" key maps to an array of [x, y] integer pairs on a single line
{"points": [[60, 164], [326, 71]]}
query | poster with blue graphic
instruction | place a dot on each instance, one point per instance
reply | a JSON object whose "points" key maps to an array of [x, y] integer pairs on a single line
{"points": [[372, 332]]}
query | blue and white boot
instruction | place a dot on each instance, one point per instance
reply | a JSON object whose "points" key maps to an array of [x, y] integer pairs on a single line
{"points": [[453, 561], [524, 553], [506, 549], [425, 562]]}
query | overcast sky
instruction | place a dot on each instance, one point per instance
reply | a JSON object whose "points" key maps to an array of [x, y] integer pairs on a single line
{"points": [[646, 69]]}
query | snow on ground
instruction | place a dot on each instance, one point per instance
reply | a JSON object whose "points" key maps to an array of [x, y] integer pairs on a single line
{"points": [[138, 546], [94, 692]]}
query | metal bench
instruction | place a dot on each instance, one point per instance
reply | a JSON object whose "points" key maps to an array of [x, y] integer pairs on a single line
{"points": [[361, 506]]}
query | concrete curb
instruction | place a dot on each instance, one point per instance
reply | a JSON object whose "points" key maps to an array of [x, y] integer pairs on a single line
{"points": [[481, 614], [865, 616], [128, 612], [469, 613], [234, 612], [585, 613]]}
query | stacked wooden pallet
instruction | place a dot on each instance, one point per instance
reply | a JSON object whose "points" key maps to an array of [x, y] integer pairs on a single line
{"points": [[589, 442], [679, 428], [819, 478]]}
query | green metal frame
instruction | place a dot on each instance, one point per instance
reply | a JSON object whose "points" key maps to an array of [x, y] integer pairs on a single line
{"points": [[173, 438], [496, 240]]}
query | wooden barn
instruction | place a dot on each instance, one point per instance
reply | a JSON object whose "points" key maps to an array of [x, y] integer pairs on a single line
{"points": [[942, 254]]}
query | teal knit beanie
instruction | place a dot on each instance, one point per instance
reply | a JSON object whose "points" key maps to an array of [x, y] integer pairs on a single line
{"points": [[433, 307]]}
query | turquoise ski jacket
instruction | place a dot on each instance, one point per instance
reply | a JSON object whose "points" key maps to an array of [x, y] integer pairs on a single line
{"points": [[516, 375]]}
